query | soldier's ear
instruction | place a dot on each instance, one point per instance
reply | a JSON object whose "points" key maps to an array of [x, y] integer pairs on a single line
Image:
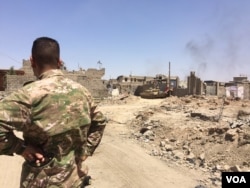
{"points": [[33, 65], [59, 64]]}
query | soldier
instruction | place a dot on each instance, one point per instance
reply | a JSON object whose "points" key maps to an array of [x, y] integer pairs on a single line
{"points": [[60, 123]]}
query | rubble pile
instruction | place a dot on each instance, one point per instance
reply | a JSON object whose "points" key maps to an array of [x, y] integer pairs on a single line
{"points": [[197, 133]]}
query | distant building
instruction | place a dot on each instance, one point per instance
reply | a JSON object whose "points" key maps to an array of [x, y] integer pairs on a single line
{"points": [[238, 88], [136, 84], [129, 84], [3, 76]]}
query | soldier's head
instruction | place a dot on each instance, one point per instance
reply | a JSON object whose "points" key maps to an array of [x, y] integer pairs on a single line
{"points": [[45, 55]]}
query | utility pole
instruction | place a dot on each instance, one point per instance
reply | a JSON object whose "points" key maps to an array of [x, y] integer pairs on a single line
{"points": [[169, 82], [169, 75]]}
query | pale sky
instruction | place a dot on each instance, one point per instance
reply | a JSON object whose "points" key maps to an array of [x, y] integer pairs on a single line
{"points": [[138, 37]]}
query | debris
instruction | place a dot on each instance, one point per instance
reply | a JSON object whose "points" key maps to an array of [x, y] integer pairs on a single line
{"points": [[201, 140]]}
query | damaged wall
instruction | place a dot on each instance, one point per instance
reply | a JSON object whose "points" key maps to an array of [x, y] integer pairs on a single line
{"points": [[90, 78], [195, 85]]}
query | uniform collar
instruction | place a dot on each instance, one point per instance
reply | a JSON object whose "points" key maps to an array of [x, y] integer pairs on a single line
{"points": [[51, 73]]}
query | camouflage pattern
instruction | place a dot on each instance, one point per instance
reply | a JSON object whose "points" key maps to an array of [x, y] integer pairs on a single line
{"points": [[57, 115]]}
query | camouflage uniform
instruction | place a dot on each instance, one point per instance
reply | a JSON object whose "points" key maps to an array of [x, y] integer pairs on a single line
{"points": [[57, 115]]}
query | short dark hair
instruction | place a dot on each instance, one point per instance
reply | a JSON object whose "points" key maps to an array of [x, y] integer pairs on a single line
{"points": [[46, 51]]}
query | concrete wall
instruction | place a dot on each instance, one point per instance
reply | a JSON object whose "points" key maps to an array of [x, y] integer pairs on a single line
{"points": [[27, 67], [96, 87], [221, 90], [95, 73], [15, 82], [195, 85], [211, 90], [246, 90], [181, 92]]}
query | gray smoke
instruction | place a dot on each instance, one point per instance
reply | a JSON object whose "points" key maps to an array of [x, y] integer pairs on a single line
{"points": [[200, 54]]}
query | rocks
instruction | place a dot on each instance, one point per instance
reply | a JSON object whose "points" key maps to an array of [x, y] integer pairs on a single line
{"points": [[168, 147], [226, 168], [217, 130], [191, 158], [244, 139], [236, 124], [204, 117], [155, 152], [219, 167], [200, 186], [235, 168], [178, 154], [231, 135], [148, 134], [202, 157], [162, 143]]}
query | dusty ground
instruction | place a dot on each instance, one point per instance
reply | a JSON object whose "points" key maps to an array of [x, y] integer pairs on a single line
{"points": [[172, 142]]}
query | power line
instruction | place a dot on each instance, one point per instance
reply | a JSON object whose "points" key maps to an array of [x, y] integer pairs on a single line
{"points": [[13, 59]]}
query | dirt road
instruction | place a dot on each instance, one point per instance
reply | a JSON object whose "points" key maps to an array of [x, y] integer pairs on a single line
{"points": [[121, 163]]}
